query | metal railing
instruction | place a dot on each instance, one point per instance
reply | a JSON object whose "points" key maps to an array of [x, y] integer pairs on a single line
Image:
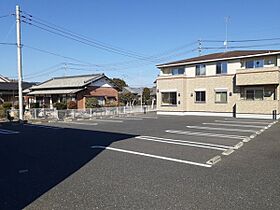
{"points": [[54, 114]]}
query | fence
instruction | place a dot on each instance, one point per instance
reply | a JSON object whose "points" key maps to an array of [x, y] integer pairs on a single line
{"points": [[54, 114]]}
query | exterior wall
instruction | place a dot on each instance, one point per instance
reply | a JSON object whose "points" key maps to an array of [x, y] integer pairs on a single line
{"points": [[258, 76], [176, 84], [256, 107], [236, 79], [92, 91], [209, 84]]}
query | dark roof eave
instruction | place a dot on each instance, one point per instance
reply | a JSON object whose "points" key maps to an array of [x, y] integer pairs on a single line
{"points": [[219, 56]]}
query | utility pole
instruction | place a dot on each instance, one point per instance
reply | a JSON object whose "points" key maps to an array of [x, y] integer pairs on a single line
{"points": [[19, 61]]}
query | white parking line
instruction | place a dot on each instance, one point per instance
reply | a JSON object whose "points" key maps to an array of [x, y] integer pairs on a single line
{"points": [[147, 117], [8, 132], [127, 118], [79, 123], [248, 120], [183, 143], [153, 156], [220, 135], [221, 129], [42, 126], [235, 125], [112, 121], [242, 122]]}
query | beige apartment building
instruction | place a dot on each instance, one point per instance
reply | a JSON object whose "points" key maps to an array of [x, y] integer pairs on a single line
{"points": [[242, 84]]}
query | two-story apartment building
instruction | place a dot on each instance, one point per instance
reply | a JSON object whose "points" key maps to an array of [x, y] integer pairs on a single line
{"points": [[233, 84]]}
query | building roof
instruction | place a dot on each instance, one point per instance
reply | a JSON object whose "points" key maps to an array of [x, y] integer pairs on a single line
{"points": [[68, 82], [14, 85], [137, 91], [4, 79], [220, 56], [54, 92]]}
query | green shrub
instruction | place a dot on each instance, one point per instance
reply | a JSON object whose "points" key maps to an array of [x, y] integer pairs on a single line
{"points": [[34, 105], [92, 102], [60, 106], [2, 112], [4, 108], [7, 105]]}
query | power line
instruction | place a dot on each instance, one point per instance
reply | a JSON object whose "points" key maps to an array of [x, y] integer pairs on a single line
{"points": [[58, 55], [6, 43], [243, 40], [244, 46], [80, 38], [56, 27], [4, 16]]}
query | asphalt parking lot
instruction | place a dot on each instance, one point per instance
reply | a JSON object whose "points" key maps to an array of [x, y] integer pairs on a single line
{"points": [[141, 162]]}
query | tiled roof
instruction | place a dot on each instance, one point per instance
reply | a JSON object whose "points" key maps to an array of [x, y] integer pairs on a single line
{"points": [[222, 55], [133, 90], [14, 85], [68, 82], [53, 92], [4, 79]]}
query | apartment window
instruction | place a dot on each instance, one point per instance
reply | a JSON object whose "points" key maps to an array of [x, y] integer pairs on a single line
{"points": [[200, 96], [169, 98], [254, 64], [254, 94], [221, 96], [177, 71], [200, 69], [221, 68]]}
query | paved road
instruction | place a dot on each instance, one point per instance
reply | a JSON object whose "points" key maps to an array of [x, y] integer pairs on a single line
{"points": [[138, 163]]}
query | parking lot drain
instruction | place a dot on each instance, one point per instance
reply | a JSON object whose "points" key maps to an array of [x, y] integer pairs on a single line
{"points": [[228, 152], [237, 146], [214, 160]]}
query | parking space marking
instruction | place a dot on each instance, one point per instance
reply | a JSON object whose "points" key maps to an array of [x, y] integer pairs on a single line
{"points": [[235, 125], [8, 132], [220, 135], [147, 117], [221, 129], [42, 126], [185, 143], [79, 123], [153, 156], [242, 122], [248, 120], [112, 121], [127, 118]]}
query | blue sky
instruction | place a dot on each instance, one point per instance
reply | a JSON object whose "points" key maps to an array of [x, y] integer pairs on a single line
{"points": [[148, 27]]}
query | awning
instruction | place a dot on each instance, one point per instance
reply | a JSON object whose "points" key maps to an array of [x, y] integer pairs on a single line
{"points": [[54, 92]]}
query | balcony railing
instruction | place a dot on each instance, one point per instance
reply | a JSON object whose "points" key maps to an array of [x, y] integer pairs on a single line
{"points": [[258, 76]]}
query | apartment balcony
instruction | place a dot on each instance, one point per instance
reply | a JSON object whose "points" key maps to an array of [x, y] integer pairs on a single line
{"points": [[258, 76], [256, 107]]}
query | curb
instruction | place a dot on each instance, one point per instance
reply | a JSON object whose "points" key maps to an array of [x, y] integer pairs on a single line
{"points": [[214, 160], [228, 152], [237, 146]]}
